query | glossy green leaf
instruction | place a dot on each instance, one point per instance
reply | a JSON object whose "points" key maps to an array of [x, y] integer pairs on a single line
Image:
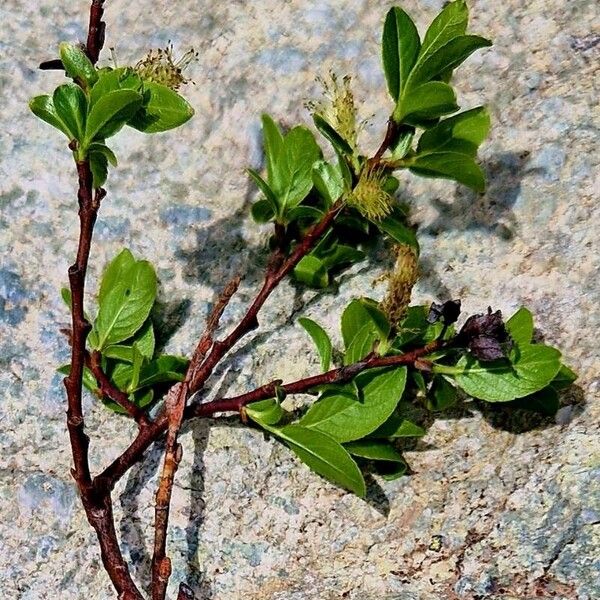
{"points": [[124, 303], [110, 113], [520, 326], [361, 312], [339, 254], [311, 271], [334, 138], [111, 80], [163, 109], [450, 165], [262, 211], [268, 193], [70, 104], [77, 64], [400, 47], [448, 56], [114, 272], [328, 181], [265, 412], [462, 133], [394, 226], [428, 101], [43, 108], [144, 340], [99, 148], [442, 395], [362, 344], [164, 369], [290, 159], [451, 22], [534, 367], [311, 213], [324, 456], [274, 148], [398, 426], [346, 418], [320, 338], [99, 169], [374, 450]]}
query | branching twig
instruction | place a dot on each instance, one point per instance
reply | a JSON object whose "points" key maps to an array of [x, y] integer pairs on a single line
{"points": [[175, 404], [94, 363]]}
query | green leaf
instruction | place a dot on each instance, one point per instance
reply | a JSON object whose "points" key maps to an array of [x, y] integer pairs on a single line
{"points": [[450, 165], [328, 181], [415, 329], [114, 272], [462, 133], [374, 450], [324, 456], [123, 78], [534, 367], [400, 47], [164, 369], [396, 427], [265, 412], [520, 327], [273, 145], [339, 254], [125, 305], [99, 168], [335, 139], [362, 344], [450, 23], [363, 319], [77, 64], [305, 212], [564, 378], [268, 193], [144, 340], [321, 339], [136, 367], [43, 108], [99, 148], [262, 211], [65, 294], [312, 272], [109, 114], [445, 57], [390, 470], [395, 227], [163, 109], [426, 102], [290, 160], [70, 104], [442, 395], [346, 418]]}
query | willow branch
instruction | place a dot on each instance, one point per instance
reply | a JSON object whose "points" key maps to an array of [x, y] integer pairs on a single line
{"points": [[175, 404], [110, 391], [96, 30], [272, 279]]}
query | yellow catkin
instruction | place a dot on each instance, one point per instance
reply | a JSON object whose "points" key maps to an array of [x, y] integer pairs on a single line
{"points": [[400, 284], [159, 66], [368, 195], [338, 108]]}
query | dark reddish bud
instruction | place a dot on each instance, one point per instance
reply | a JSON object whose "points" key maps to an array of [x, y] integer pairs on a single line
{"points": [[484, 335], [447, 312]]}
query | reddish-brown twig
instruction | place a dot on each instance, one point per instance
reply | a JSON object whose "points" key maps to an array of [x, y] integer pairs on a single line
{"points": [[175, 404], [93, 361]]}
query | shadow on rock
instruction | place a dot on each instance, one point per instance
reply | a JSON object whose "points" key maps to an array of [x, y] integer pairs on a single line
{"points": [[491, 211]]}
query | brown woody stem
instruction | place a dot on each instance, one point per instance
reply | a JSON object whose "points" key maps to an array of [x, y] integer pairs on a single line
{"points": [[108, 390]]}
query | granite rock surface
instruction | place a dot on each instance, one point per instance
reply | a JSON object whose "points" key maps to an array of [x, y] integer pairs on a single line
{"points": [[497, 507]]}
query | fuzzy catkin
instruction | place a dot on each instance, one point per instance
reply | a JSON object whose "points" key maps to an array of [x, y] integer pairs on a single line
{"points": [[400, 284]]}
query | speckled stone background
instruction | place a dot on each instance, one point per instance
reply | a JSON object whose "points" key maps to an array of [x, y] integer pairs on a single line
{"points": [[497, 507]]}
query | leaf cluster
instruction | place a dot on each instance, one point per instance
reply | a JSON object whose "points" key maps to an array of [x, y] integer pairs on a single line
{"points": [[123, 334], [356, 424], [100, 102]]}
